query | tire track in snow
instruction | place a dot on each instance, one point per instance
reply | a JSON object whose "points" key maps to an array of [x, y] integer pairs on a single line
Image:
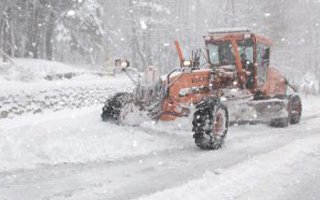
{"points": [[162, 169], [126, 179]]}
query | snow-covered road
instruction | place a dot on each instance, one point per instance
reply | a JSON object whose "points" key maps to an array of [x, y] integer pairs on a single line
{"points": [[73, 155]]}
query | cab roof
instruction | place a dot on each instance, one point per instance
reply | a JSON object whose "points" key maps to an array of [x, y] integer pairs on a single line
{"points": [[236, 33], [228, 31]]}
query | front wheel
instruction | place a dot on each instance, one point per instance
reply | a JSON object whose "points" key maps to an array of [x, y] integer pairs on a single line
{"points": [[210, 124], [295, 106], [112, 110]]}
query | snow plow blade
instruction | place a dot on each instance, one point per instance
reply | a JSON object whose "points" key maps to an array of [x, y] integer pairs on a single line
{"points": [[257, 111]]}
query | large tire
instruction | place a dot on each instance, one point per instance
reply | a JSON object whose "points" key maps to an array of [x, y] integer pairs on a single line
{"points": [[210, 124], [112, 108], [295, 108]]}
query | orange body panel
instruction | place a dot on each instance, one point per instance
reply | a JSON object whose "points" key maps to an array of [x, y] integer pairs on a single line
{"points": [[187, 88], [181, 58]]}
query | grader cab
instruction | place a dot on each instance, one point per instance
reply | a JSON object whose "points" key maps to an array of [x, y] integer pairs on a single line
{"points": [[249, 53]]}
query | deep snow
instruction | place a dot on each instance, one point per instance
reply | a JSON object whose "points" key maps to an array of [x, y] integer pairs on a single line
{"points": [[77, 136], [257, 162]]}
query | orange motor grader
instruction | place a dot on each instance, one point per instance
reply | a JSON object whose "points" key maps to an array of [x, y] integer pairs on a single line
{"points": [[235, 84]]}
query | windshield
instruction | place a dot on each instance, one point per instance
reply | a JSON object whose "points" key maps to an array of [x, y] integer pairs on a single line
{"points": [[221, 53]]}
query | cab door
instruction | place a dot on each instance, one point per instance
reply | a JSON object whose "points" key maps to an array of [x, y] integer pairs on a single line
{"points": [[269, 80]]}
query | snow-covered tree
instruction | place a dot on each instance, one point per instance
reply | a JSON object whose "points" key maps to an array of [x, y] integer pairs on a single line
{"points": [[81, 32], [144, 31], [30, 28]]}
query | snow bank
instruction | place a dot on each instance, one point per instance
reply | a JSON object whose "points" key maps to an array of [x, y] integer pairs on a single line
{"points": [[74, 137], [310, 105], [25, 87], [16, 101], [31, 70]]}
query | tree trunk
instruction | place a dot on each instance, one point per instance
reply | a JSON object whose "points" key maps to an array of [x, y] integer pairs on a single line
{"points": [[9, 34], [5, 36], [33, 33], [30, 28], [135, 41], [49, 36]]}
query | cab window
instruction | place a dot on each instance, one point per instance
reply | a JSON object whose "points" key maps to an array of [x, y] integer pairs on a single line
{"points": [[221, 52], [246, 47], [263, 60]]}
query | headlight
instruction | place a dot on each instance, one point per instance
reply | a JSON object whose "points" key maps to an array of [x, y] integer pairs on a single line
{"points": [[187, 63], [122, 63]]}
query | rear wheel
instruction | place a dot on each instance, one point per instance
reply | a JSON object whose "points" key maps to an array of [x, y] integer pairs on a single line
{"points": [[295, 107], [210, 125]]}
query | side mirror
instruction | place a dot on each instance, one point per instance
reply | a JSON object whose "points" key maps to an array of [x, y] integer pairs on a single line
{"points": [[124, 64]]}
